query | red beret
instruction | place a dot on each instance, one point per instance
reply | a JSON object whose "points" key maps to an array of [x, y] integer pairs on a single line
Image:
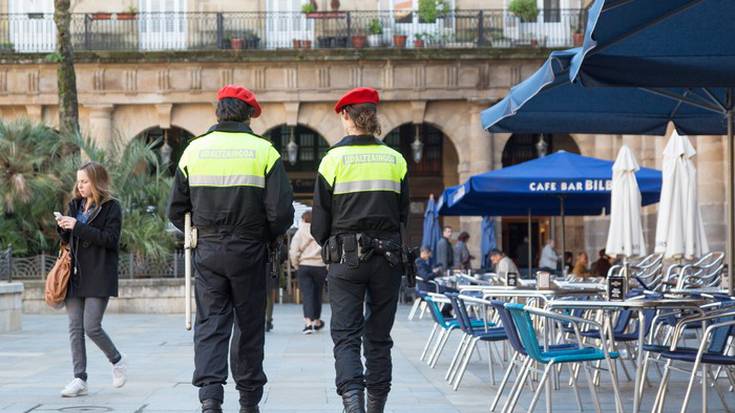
{"points": [[357, 95], [240, 93]]}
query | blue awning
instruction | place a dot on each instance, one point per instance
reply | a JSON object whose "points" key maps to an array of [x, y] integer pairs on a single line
{"points": [[540, 186]]}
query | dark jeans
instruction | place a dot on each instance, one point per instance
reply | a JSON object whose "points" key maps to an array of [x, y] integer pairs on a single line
{"points": [[230, 283], [85, 315], [372, 287], [311, 281]]}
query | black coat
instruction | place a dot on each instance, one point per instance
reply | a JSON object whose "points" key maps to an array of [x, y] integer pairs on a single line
{"points": [[94, 248]]}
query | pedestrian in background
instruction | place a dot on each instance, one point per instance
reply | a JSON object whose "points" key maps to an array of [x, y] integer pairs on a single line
{"points": [[444, 250], [306, 257], [92, 230], [580, 267], [549, 259], [602, 265], [462, 257]]}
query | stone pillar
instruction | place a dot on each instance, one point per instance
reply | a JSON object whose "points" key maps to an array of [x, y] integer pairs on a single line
{"points": [[711, 174], [35, 113], [480, 160], [100, 125]]}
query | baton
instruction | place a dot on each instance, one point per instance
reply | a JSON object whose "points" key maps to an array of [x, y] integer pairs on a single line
{"points": [[187, 268]]}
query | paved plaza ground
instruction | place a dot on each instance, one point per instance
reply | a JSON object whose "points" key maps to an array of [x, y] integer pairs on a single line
{"points": [[35, 365]]}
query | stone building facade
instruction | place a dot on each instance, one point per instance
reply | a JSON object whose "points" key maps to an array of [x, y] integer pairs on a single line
{"points": [[439, 92]]}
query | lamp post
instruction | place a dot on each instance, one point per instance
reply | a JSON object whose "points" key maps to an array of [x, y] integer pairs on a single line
{"points": [[417, 147], [292, 148]]}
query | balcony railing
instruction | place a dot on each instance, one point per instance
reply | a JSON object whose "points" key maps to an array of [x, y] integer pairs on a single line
{"points": [[35, 32]]}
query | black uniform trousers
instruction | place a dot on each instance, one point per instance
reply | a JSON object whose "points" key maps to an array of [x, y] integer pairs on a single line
{"points": [[230, 283], [373, 287]]}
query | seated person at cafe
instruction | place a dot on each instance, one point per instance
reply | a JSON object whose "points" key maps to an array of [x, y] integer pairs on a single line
{"points": [[502, 263], [580, 267], [602, 265], [429, 273]]}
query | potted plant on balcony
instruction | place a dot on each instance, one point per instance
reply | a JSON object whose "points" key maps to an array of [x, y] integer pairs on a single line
{"points": [[430, 10], [236, 43], [335, 5], [577, 35], [358, 40], [526, 10], [375, 28], [101, 15], [399, 40], [252, 40], [309, 8], [419, 40], [131, 13]]}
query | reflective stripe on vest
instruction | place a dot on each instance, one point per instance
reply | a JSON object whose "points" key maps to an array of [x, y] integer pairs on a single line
{"points": [[227, 180], [364, 186], [363, 168], [224, 159]]}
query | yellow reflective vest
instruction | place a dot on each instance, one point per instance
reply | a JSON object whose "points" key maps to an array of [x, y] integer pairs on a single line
{"points": [[361, 187], [230, 177]]}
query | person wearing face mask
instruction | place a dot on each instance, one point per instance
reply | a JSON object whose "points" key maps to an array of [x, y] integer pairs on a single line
{"points": [[92, 230]]}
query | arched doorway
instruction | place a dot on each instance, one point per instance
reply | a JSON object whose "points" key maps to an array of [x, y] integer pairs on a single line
{"points": [[435, 170], [311, 147], [169, 144], [521, 148]]}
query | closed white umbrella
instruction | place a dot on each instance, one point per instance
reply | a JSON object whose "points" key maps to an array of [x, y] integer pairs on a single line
{"points": [[625, 236], [679, 228]]}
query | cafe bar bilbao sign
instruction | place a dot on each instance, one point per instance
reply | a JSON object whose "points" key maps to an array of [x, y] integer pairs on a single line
{"points": [[585, 185]]}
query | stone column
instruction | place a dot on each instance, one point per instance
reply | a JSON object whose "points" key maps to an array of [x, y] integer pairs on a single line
{"points": [[711, 174], [480, 160], [100, 125]]}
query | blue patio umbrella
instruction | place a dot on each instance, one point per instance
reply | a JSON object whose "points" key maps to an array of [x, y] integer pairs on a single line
{"points": [[547, 102], [680, 49], [431, 232], [487, 241]]}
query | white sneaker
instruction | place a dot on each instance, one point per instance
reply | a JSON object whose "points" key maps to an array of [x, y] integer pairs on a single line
{"points": [[77, 387], [120, 372]]}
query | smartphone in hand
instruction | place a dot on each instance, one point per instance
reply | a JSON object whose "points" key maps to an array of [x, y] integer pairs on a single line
{"points": [[57, 215]]}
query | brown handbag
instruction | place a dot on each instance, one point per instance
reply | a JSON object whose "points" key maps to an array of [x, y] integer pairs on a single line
{"points": [[57, 281]]}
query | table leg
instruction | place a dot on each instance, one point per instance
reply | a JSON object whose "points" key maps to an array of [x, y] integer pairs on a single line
{"points": [[637, 390]]}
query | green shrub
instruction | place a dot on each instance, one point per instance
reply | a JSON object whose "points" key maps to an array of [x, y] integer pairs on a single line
{"points": [[38, 171], [525, 9]]}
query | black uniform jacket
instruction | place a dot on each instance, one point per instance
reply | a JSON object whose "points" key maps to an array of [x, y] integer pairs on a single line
{"points": [[94, 248], [368, 211], [253, 212]]}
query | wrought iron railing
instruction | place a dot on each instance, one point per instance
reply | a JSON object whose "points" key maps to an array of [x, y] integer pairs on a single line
{"points": [[129, 266], [35, 32]]}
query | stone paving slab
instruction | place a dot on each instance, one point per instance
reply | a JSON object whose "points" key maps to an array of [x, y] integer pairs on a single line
{"points": [[35, 364]]}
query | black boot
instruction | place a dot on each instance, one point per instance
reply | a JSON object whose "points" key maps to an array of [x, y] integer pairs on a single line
{"points": [[376, 404], [354, 401], [249, 409], [211, 406]]}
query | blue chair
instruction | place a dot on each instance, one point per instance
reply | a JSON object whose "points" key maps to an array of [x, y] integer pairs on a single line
{"points": [[473, 333], [443, 324], [520, 357], [713, 351], [582, 355]]}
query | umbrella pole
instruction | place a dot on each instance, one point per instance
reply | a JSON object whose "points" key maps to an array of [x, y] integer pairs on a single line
{"points": [[730, 196], [563, 239], [530, 240]]}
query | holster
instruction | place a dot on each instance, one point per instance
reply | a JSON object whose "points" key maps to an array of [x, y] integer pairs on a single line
{"points": [[332, 250]]}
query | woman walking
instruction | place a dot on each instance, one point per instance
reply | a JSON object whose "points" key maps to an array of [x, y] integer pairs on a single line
{"points": [[306, 257], [92, 230]]}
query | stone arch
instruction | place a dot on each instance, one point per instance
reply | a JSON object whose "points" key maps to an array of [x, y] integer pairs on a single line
{"points": [[172, 140], [311, 148], [454, 123], [522, 147], [320, 117]]}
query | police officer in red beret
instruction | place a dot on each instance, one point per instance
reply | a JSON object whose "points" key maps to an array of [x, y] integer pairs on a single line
{"points": [[235, 186], [360, 203]]}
